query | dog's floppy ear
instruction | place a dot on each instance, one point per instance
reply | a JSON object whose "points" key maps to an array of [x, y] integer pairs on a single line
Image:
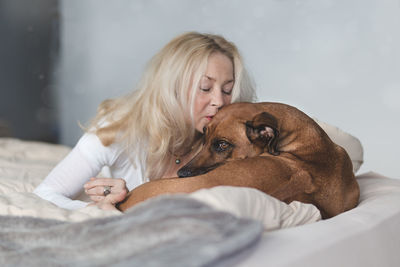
{"points": [[262, 131]]}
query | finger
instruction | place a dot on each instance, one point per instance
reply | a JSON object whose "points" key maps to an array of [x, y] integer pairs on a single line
{"points": [[102, 182], [115, 198], [96, 191], [93, 182], [97, 198], [89, 184], [91, 192]]}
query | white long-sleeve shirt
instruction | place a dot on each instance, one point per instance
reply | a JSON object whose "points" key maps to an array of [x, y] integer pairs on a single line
{"points": [[84, 161]]}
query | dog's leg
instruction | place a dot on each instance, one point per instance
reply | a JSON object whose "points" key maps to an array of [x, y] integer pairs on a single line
{"points": [[299, 187], [165, 186], [262, 173]]}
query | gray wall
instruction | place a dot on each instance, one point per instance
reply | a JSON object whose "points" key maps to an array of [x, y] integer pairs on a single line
{"points": [[338, 60], [28, 48]]}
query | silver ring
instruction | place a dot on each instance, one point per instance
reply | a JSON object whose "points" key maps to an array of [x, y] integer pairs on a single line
{"points": [[106, 190]]}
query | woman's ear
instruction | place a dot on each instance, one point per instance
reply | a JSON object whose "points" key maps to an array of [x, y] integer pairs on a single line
{"points": [[262, 131]]}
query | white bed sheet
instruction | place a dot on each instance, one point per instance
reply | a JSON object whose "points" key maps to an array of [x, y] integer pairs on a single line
{"points": [[368, 235]]}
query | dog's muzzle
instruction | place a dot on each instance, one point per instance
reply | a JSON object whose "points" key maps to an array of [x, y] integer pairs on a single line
{"points": [[188, 171], [185, 172]]}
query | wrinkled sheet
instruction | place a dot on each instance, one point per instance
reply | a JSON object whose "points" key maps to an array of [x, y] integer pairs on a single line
{"points": [[23, 165]]}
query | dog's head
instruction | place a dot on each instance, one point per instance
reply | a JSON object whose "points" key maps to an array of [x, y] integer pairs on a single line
{"points": [[236, 132]]}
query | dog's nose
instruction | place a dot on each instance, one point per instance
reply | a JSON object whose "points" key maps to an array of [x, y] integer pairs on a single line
{"points": [[184, 172]]}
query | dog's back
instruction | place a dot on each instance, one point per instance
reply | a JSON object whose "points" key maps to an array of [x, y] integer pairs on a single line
{"points": [[328, 163]]}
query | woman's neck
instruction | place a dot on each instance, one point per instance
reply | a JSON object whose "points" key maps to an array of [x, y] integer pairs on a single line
{"points": [[178, 161], [174, 166]]}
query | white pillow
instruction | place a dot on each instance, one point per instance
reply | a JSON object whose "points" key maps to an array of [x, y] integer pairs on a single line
{"points": [[350, 143], [251, 203]]}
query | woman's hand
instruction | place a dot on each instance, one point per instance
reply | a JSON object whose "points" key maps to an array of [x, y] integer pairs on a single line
{"points": [[106, 192]]}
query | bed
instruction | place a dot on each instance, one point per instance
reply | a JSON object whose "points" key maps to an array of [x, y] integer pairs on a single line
{"points": [[223, 226]]}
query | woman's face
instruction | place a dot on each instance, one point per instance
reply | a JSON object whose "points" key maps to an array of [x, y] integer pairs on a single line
{"points": [[215, 89]]}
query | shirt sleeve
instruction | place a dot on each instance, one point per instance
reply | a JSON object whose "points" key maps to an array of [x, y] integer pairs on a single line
{"points": [[66, 180]]}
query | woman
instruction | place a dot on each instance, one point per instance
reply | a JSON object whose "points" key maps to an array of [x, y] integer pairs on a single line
{"points": [[154, 131]]}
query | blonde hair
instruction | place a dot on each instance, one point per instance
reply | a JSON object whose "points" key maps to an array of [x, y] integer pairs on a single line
{"points": [[151, 123]]}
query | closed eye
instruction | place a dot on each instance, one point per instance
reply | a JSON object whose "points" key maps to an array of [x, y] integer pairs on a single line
{"points": [[226, 92], [227, 87]]}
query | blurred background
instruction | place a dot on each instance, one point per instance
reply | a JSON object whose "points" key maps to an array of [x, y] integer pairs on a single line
{"points": [[338, 61]]}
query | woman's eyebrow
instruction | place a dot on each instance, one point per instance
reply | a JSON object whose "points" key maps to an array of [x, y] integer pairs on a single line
{"points": [[211, 78], [228, 82]]}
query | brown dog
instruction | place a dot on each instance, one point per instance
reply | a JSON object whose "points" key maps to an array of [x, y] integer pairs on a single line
{"points": [[273, 147]]}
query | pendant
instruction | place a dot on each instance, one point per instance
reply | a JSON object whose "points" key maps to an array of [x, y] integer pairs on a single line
{"points": [[177, 161]]}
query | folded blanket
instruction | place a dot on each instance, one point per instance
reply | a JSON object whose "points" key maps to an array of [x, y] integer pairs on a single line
{"points": [[165, 231]]}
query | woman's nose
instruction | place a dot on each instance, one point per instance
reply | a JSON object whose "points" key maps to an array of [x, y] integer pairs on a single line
{"points": [[217, 98]]}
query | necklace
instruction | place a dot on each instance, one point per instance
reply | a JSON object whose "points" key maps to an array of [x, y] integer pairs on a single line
{"points": [[178, 157]]}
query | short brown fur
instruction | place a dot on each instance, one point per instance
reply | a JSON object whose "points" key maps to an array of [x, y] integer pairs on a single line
{"points": [[272, 147]]}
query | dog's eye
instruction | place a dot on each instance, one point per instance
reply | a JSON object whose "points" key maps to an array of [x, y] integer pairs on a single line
{"points": [[221, 146]]}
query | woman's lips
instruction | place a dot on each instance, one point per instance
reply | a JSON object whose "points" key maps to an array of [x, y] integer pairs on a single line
{"points": [[209, 118]]}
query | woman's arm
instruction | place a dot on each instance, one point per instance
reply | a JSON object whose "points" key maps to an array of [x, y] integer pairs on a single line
{"points": [[66, 180]]}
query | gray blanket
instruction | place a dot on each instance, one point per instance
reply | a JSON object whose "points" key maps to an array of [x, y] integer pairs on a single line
{"points": [[165, 231]]}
